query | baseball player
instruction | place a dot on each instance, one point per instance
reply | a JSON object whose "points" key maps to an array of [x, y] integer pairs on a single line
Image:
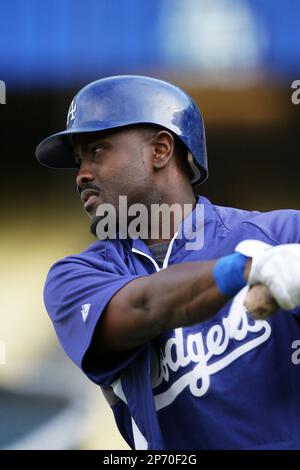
{"points": [[161, 326]]}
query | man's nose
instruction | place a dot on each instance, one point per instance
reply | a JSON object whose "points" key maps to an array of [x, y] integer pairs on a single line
{"points": [[85, 174]]}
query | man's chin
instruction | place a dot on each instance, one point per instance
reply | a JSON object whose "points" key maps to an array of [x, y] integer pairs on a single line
{"points": [[107, 235], [103, 234], [93, 226]]}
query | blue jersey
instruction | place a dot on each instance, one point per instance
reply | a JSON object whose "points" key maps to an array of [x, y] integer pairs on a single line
{"points": [[193, 387]]}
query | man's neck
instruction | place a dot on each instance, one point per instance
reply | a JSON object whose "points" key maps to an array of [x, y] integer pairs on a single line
{"points": [[165, 226]]}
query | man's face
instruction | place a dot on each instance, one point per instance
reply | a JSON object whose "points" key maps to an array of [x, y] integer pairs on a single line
{"points": [[112, 164]]}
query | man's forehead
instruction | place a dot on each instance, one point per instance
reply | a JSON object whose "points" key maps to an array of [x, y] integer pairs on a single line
{"points": [[88, 137]]}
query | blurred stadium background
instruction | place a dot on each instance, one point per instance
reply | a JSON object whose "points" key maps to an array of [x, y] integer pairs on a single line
{"points": [[237, 59]]}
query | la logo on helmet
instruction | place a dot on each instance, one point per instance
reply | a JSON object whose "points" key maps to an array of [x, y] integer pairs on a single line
{"points": [[72, 112]]}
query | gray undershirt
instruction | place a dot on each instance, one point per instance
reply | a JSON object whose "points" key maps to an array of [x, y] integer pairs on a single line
{"points": [[159, 251]]}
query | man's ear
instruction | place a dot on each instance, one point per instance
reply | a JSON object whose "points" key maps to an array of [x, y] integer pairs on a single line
{"points": [[163, 148]]}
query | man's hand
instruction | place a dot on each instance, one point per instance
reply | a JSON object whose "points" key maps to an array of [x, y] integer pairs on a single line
{"points": [[259, 302], [279, 269], [274, 272]]}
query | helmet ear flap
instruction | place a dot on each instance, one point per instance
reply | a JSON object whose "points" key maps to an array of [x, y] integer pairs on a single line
{"points": [[196, 174]]}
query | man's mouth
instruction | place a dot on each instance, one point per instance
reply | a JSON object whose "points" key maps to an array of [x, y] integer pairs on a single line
{"points": [[88, 197]]}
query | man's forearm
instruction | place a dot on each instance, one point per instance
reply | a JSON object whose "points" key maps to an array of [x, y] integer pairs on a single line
{"points": [[183, 294], [180, 295]]}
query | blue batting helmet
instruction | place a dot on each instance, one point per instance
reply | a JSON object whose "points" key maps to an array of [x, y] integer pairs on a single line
{"points": [[125, 100]]}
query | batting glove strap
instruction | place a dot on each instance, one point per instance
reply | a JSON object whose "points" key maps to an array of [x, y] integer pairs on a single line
{"points": [[229, 274]]}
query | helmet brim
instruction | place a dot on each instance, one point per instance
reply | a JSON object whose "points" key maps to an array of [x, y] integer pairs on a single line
{"points": [[56, 150]]}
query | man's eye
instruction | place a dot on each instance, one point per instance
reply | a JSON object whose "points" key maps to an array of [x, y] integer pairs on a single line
{"points": [[96, 149]]}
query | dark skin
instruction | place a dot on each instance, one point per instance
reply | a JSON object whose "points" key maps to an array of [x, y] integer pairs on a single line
{"points": [[144, 165], [134, 162]]}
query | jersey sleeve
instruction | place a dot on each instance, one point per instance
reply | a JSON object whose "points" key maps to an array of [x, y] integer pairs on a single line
{"points": [[75, 295], [280, 226]]}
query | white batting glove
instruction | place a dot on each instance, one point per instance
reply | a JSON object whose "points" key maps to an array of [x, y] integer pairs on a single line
{"points": [[277, 267]]}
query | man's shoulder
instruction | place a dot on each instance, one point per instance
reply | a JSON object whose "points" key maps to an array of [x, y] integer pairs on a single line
{"points": [[276, 226], [280, 226], [95, 251], [97, 255], [231, 217]]}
